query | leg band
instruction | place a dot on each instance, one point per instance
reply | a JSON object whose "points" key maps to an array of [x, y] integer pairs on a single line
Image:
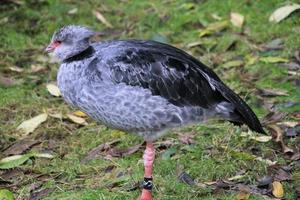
{"points": [[148, 183]]}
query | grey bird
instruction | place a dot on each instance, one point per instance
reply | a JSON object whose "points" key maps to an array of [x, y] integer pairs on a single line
{"points": [[142, 87]]}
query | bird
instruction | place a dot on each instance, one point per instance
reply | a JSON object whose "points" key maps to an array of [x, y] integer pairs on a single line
{"points": [[142, 87]]}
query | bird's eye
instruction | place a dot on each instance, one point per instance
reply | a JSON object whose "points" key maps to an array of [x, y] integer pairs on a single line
{"points": [[57, 42]]}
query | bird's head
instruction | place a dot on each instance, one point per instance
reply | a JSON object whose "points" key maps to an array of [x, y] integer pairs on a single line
{"points": [[69, 41]]}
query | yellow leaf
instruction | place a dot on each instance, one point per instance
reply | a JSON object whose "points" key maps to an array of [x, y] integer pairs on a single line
{"points": [[277, 189], [250, 59], [101, 18], [233, 63], [283, 12], [243, 195], [271, 59], [53, 90], [77, 120], [30, 125], [236, 19], [79, 113], [213, 28]]}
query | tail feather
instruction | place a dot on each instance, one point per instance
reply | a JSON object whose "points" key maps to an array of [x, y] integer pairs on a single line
{"points": [[241, 111]]}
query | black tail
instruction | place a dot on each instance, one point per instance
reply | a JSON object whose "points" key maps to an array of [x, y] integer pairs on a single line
{"points": [[243, 110]]}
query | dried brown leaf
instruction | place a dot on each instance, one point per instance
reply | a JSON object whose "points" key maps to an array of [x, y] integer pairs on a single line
{"points": [[186, 138], [273, 117], [114, 152], [268, 92], [186, 178], [20, 147], [97, 150], [40, 194]]}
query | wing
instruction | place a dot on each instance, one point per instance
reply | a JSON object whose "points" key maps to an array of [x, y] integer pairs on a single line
{"points": [[174, 75], [171, 76]]}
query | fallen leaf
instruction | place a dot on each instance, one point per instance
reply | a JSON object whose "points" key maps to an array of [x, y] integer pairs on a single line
{"points": [[236, 19], [265, 181], [77, 120], [17, 160], [288, 123], [282, 175], [97, 150], [283, 12], [73, 11], [277, 189], [268, 92], [262, 138], [273, 117], [79, 113], [101, 18], [56, 115], [37, 68], [53, 90], [271, 59], [14, 161], [43, 155], [251, 135], [186, 138], [30, 125], [16, 69], [251, 59], [186, 178], [5, 194], [244, 193], [292, 66], [20, 147], [215, 16], [124, 152], [233, 63], [40, 194], [276, 44], [214, 28], [278, 137], [291, 132], [267, 161]]}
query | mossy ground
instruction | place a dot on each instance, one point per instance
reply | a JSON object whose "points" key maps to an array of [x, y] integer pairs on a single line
{"points": [[27, 28]]}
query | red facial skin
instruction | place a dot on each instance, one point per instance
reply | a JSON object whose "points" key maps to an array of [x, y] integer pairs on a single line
{"points": [[52, 46]]}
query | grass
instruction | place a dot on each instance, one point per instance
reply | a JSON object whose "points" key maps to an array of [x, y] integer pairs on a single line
{"points": [[219, 152]]}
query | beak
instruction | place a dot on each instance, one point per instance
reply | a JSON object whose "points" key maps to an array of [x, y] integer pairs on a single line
{"points": [[50, 48]]}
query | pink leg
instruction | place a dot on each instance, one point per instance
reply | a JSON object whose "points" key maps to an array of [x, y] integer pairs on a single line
{"points": [[149, 156]]}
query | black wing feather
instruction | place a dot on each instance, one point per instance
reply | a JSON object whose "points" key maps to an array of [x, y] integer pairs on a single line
{"points": [[176, 76]]}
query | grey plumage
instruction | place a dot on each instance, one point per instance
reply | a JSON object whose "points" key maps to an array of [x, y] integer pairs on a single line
{"points": [[142, 87]]}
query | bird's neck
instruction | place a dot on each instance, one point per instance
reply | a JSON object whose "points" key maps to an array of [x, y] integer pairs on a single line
{"points": [[88, 52]]}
